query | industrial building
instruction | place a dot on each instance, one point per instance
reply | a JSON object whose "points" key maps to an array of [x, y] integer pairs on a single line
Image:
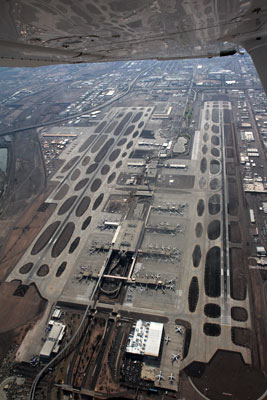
{"points": [[261, 251], [163, 115], [145, 339], [53, 340], [127, 235]]}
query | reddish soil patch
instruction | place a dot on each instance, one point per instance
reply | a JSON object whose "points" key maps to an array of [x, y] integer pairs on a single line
{"points": [[70, 164], [86, 161], [67, 205], [6, 341], [234, 232], [96, 185], [18, 310], [75, 174], [45, 237], [19, 315], [43, 270], [63, 239], [87, 143], [21, 238], [83, 206], [62, 192], [25, 269], [114, 155], [61, 269], [227, 373], [81, 184]]}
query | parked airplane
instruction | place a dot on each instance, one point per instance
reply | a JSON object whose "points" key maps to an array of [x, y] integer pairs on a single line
{"points": [[175, 357], [159, 377], [167, 339], [178, 329], [171, 378]]}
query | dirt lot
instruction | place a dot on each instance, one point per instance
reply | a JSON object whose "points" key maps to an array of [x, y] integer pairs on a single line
{"points": [[237, 276], [18, 311], [236, 380], [234, 232], [233, 197], [29, 225], [228, 136], [259, 303]]}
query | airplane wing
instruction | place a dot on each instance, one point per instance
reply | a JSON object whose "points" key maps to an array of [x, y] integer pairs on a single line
{"points": [[37, 32]]}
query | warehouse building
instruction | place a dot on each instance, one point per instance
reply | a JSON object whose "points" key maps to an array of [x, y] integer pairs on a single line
{"points": [[53, 340], [145, 339]]}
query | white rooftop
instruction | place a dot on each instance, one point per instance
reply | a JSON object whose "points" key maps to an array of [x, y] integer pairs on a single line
{"points": [[145, 338]]}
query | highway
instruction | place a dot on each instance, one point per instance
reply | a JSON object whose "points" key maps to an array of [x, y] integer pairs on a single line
{"points": [[72, 116], [61, 353]]}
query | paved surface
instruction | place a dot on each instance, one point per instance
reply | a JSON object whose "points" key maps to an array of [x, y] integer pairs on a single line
{"points": [[166, 255]]}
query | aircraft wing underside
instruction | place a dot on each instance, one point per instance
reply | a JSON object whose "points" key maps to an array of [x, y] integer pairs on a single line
{"points": [[40, 32]]}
